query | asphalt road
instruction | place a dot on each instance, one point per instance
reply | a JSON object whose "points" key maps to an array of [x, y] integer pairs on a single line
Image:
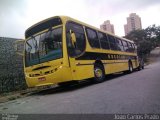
{"points": [[138, 92]]}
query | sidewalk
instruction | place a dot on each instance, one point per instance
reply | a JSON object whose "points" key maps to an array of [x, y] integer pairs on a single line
{"points": [[16, 94], [22, 93]]}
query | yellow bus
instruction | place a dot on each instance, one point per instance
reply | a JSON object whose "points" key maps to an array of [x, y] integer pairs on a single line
{"points": [[62, 49]]}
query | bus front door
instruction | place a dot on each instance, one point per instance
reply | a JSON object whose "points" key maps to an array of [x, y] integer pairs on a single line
{"points": [[73, 67]]}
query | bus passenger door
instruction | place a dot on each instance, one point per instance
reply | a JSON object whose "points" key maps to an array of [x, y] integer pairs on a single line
{"points": [[76, 44], [71, 47], [73, 67]]}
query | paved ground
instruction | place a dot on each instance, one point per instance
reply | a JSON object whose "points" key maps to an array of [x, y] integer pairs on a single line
{"points": [[138, 92]]}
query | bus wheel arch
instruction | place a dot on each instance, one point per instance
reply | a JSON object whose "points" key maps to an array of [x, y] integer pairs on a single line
{"points": [[99, 72]]}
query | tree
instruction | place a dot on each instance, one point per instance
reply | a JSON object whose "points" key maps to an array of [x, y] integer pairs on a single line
{"points": [[146, 39], [153, 35], [144, 48], [136, 35]]}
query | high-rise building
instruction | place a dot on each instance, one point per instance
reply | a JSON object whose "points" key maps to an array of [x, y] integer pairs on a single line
{"points": [[107, 26], [133, 23]]}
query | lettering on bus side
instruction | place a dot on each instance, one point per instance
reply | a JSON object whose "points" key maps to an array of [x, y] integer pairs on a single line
{"points": [[104, 56]]}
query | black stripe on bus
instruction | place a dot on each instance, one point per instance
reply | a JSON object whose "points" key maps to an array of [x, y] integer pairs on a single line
{"points": [[79, 64], [104, 56]]}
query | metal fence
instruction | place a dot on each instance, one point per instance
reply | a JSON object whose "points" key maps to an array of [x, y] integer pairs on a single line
{"points": [[11, 67]]}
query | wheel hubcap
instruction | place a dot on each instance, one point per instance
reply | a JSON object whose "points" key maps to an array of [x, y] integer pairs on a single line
{"points": [[98, 72]]}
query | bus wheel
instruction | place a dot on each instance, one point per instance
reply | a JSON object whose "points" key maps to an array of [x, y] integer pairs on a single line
{"points": [[141, 65], [130, 69], [99, 74], [139, 68]]}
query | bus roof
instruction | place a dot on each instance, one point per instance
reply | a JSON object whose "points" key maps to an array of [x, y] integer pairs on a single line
{"points": [[67, 18]]}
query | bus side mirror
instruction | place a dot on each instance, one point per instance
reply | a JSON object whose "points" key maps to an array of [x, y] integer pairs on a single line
{"points": [[73, 38], [19, 47]]}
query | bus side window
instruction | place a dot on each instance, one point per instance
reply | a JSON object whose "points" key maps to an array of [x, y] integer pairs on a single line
{"points": [[112, 42], [125, 45], [130, 49], [76, 42], [103, 40], [117, 44], [135, 48], [120, 45], [93, 38]]}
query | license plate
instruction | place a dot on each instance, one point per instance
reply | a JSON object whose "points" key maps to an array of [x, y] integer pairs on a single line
{"points": [[41, 79]]}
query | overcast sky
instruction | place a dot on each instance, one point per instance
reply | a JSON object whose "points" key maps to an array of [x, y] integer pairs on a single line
{"points": [[17, 15]]}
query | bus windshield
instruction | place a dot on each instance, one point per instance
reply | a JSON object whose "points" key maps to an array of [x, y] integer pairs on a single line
{"points": [[44, 47]]}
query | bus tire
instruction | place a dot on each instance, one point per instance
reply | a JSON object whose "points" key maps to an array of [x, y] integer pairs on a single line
{"points": [[99, 73], [139, 68], [141, 65], [130, 67]]}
